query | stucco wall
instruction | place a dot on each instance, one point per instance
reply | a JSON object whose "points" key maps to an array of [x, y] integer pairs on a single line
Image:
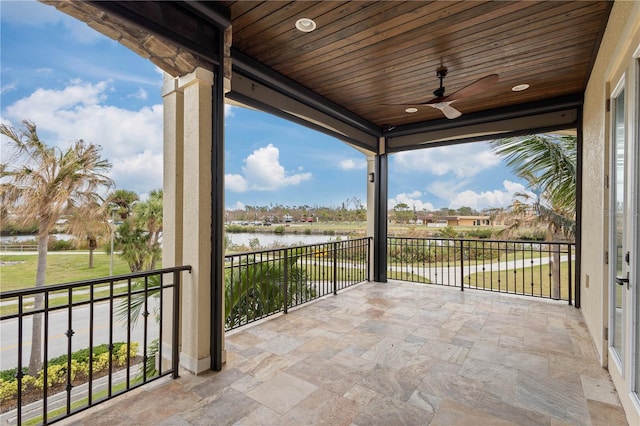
{"points": [[621, 38]]}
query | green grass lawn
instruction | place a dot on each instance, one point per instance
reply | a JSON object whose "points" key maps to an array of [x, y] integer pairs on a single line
{"points": [[62, 267], [529, 281]]}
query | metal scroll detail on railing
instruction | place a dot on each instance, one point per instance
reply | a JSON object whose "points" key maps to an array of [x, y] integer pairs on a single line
{"points": [[262, 283], [529, 268], [99, 339]]}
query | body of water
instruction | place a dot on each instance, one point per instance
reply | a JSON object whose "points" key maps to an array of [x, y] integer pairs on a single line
{"points": [[239, 239], [22, 238], [266, 240]]}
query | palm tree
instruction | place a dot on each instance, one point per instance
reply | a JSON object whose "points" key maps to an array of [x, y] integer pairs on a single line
{"points": [[41, 183], [548, 164], [148, 215], [257, 289], [124, 200], [139, 235], [133, 242], [90, 222]]}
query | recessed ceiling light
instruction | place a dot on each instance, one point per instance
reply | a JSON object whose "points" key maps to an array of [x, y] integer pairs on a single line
{"points": [[520, 87], [411, 110], [305, 25]]}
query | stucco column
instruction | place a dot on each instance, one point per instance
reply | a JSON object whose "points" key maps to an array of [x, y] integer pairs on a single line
{"points": [[195, 353], [172, 188]]}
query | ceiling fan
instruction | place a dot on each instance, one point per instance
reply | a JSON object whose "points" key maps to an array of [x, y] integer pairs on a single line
{"points": [[443, 103]]}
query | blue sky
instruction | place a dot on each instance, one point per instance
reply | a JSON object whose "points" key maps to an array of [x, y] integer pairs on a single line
{"points": [[75, 83]]}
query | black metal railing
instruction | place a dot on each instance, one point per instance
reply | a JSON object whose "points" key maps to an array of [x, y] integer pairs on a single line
{"points": [[530, 268], [262, 283], [99, 338]]}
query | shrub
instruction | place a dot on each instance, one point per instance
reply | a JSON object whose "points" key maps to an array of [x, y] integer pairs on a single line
{"points": [[531, 235], [482, 233], [448, 232], [234, 229], [279, 230], [60, 245], [57, 368]]}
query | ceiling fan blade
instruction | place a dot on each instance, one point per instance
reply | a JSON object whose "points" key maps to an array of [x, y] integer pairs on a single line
{"points": [[446, 108], [476, 87]]}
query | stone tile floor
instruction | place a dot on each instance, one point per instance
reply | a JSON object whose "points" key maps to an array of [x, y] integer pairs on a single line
{"points": [[392, 354]]}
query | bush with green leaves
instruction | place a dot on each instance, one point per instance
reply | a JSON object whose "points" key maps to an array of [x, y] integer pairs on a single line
{"points": [[60, 245], [57, 369]]}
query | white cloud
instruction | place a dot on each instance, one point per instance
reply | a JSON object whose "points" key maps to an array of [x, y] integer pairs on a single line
{"points": [[446, 188], [412, 200], [488, 199], [464, 160], [140, 94], [239, 205], [353, 164], [263, 171], [8, 88], [130, 139], [235, 183]]}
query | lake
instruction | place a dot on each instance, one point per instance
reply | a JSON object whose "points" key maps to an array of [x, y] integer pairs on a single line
{"points": [[266, 240], [22, 238], [240, 239]]}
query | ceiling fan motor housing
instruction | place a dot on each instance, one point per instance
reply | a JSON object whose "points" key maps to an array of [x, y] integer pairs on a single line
{"points": [[441, 73]]}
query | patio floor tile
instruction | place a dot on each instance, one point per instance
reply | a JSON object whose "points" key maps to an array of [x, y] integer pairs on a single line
{"points": [[392, 354]]}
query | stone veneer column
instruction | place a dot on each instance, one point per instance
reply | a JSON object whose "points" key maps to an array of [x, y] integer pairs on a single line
{"points": [[173, 175], [195, 353]]}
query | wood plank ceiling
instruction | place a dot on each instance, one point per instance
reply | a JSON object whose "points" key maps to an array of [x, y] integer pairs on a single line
{"points": [[364, 55]]}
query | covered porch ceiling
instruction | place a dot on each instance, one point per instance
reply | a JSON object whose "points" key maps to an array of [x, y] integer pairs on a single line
{"points": [[367, 61]]}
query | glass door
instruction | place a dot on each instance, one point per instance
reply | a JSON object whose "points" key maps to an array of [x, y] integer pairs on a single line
{"points": [[618, 224], [635, 243]]}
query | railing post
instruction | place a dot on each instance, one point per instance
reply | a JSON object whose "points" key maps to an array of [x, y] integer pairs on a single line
{"points": [[369, 242], [570, 273], [335, 268], [461, 265], [285, 290], [175, 352]]}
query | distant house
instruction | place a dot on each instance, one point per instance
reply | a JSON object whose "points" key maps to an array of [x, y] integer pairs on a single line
{"points": [[61, 226], [440, 221]]}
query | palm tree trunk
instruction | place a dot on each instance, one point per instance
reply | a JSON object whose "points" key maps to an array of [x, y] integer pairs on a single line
{"points": [[35, 359], [92, 246]]}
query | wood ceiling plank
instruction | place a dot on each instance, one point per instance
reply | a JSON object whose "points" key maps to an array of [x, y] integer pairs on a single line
{"points": [[351, 41], [408, 60], [382, 116], [327, 15], [336, 43], [417, 40], [278, 23], [510, 76], [477, 66], [367, 53]]}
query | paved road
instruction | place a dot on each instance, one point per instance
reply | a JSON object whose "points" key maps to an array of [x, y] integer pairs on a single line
{"points": [[59, 324]]}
